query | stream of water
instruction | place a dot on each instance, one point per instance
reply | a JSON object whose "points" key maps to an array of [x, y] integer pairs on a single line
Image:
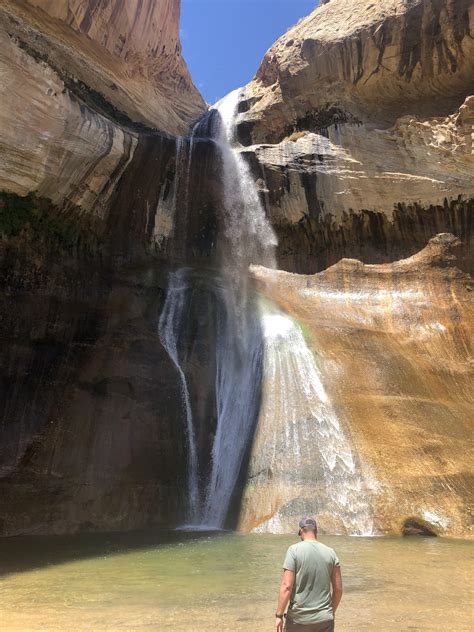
{"points": [[295, 396], [246, 238], [169, 329], [243, 335], [223, 583]]}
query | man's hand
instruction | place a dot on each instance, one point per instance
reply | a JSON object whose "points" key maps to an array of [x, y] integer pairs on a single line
{"points": [[286, 586], [278, 624]]}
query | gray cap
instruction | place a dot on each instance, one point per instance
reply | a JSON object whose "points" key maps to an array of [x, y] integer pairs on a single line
{"points": [[308, 523]]}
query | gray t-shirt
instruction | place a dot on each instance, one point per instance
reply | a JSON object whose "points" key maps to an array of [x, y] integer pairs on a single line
{"points": [[313, 563]]}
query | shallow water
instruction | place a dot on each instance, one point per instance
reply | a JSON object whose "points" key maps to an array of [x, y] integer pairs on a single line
{"points": [[226, 582]]}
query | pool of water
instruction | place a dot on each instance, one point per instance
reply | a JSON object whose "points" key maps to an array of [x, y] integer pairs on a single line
{"points": [[223, 581]]}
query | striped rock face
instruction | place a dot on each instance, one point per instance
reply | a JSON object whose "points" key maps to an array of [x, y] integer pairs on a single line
{"points": [[81, 81], [366, 422], [129, 52], [358, 126], [355, 151]]}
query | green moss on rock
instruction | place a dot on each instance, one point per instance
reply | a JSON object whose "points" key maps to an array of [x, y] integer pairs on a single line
{"points": [[40, 218], [15, 212]]}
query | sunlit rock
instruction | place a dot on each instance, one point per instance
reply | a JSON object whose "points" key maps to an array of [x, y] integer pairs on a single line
{"points": [[356, 150], [359, 124], [391, 343]]}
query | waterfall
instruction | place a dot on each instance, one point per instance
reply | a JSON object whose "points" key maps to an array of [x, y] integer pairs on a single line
{"points": [[238, 376], [238, 361], [245, 237], [295, 396], [249, 238], [169, 328]]}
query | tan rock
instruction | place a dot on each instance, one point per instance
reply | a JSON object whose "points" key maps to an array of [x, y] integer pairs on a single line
{"points": [[58, 148], [358, 124], [392, 343], [376, 60], [355, 167], [80, 82], [127, 51]]}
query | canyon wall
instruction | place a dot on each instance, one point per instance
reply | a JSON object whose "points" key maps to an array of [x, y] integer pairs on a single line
{"points": [[392, 343], [358, 131], [92, 96], [358, 126], [82, 83]]}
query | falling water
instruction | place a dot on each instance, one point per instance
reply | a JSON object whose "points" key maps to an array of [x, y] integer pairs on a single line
{"points": [[174, 315], [249, 238], [238, 362], [246, 238], [169, 329], [294, 394], [298, 398], [238, 378]]}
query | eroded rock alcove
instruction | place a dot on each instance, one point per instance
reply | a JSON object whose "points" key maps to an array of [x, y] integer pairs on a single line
{"points": [[358, 131]]}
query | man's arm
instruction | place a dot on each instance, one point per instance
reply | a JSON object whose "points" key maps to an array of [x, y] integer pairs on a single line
{"points": [[286, 587], [336, 581]]}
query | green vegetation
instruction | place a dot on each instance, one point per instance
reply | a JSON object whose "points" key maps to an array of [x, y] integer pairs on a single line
{"points": [[39, 217], [15, 212]]}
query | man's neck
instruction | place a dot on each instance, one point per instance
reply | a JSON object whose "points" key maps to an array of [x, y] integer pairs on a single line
{"points": [[310, 538]]}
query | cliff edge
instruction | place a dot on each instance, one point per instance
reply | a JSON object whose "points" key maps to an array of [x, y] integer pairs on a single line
{"points": [[358, 126]]}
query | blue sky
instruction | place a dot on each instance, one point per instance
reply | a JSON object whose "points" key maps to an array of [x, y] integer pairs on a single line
{"points": [[225, 40]]}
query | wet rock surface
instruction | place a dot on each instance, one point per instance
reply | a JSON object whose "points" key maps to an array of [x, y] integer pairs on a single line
{"points": [[358, 132], [91, 433], [91, 419], [392, 343]]}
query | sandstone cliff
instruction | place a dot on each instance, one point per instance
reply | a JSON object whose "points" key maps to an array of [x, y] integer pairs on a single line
{"points": [[393, 346], [81, 84], [125, 55], [359, 127], [90, 94]]}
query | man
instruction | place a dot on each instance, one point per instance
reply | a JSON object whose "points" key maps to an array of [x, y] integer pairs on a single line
{"points": [[310, 570]]}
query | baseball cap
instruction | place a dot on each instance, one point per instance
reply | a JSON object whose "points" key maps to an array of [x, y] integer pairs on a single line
{"points": [[308, 523]]}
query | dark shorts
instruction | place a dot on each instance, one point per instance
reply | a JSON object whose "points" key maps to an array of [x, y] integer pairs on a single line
{"points": [[322, 626]]}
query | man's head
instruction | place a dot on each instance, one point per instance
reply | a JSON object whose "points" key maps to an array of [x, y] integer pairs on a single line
{"points": [[307, 529]]}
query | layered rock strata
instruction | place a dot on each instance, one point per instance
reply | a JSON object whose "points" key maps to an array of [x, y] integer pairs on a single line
{"points": [[358, 130], [93, 428], [393, 346], [358, 126], [91, 434], [125, 57], [98, 76]]}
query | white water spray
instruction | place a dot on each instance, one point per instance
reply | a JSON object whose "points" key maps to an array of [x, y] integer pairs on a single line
{"points": [[250, 235], [169, 327], [249, 238], [297, 395], [294, 393]]}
